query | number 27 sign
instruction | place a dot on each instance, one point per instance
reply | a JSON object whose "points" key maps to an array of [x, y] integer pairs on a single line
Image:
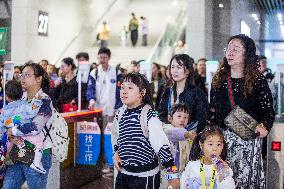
{"points": [[42, 23]]}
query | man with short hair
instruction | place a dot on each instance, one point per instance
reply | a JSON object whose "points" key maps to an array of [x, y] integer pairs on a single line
{"points": [[133, 28], [200, 75], [264, 69], [83, 58]]}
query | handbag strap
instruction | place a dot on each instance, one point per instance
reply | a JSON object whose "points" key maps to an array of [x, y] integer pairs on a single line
{"points": [[230, 91]]}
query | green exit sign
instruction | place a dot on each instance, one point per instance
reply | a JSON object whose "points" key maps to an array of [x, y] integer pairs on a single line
{"points": [[3, 40]]}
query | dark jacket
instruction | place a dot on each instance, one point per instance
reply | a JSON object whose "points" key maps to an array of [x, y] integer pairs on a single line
{"points": [[67, 91], [200, 82], [160, 91], [194, 98]]}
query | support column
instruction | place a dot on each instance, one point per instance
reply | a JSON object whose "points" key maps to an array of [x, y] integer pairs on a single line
{"points": [[195, 31]]}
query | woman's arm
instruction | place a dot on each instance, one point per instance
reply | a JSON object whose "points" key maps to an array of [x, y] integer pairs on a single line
{"points": [[212, 106], [163, 106], [264, 103], [160, 142], [161, 146]]}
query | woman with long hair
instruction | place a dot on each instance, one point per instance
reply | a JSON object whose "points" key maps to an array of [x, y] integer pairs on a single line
{"points": [[183, 90], [239, 82], [68, 89]]}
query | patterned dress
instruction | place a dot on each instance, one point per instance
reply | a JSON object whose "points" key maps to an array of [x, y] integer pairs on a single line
{"points": [[244, 157]]}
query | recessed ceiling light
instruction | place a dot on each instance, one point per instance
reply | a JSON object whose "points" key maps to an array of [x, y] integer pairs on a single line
{"points": [[281, 22], [280, 18], [221, 5], [256, 18], [258, 22], [279, 15], [254, 15]]}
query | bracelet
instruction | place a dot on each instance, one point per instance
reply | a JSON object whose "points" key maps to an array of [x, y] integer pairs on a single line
{"points": [[115, 148], [172, 169], [171, 176]]}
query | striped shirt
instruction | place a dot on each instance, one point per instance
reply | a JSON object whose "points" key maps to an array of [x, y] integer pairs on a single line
{"points": [[138, 153]]}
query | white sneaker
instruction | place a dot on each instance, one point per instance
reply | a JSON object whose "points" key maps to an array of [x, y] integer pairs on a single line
{"points": [[107, 170], [38, 168]]}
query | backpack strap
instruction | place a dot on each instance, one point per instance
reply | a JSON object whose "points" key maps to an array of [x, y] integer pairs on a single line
{"points": [[48, 126], [115, 128], [144, 121]]}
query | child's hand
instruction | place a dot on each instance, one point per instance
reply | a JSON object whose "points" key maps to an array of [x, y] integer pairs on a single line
{"points": [[117, 161], [190, 135], [174, 183]]}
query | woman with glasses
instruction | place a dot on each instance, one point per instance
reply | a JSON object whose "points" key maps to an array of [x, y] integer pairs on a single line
{"points": [[35, 83], [238, 82], [183, 90]]}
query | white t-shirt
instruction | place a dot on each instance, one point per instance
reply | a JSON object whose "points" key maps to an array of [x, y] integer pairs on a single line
{"points": [[190, 178], [105, 90]]}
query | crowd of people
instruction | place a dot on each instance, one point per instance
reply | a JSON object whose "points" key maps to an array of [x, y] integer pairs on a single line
{"points": [[165, 132]]}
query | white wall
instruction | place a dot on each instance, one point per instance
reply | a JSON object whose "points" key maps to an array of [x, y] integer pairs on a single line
{"points": [[195, 30], [66, 20]]}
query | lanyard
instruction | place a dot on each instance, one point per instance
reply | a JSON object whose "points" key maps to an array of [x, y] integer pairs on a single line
{"points": [[230, 91], [169, 100], [202, 175]]}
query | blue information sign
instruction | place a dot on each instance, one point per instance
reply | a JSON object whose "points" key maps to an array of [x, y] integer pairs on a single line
{"points": [[89, 140]]}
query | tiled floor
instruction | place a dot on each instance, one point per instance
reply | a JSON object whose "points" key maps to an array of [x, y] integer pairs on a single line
{"points": [[102, 183]]}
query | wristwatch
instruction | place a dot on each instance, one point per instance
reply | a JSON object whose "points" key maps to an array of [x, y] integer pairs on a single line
{"points": [[170, 176]]}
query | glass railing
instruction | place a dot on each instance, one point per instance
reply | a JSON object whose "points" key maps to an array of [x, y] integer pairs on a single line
{"points": [[168, 38]]}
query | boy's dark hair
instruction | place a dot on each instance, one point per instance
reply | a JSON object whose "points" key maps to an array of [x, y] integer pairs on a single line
{"points": [[180, 107], [14, 90], [82, 55], [104, 50], [142, 83], [202, 59], [196, 153]]}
